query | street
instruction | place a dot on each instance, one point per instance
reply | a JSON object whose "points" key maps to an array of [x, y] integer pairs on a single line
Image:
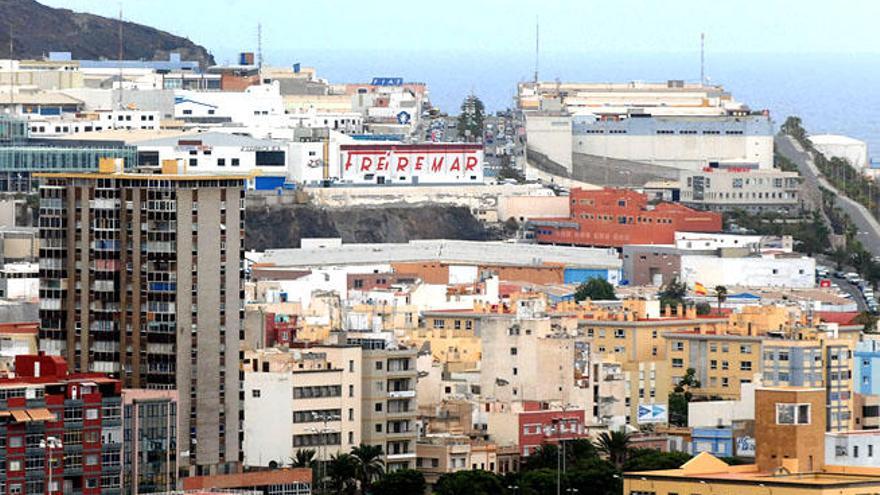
{"points": [[868, 227]]}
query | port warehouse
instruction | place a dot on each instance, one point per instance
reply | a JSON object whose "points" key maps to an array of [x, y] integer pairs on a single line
{"points": [[455, 261]]}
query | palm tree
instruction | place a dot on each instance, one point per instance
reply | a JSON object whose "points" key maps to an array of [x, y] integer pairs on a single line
{"points": [[615, 446], [303, 458], [721, 295], [342, 471], [368, 464]]}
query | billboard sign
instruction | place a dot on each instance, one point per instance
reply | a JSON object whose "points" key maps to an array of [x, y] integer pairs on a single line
{"points": [[652, 413], [744, 447], [387, 81], [426, 162]]}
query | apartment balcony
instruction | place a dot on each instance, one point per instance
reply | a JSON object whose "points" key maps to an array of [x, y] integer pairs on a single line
{"points": [[400, 457], [401, 394]]}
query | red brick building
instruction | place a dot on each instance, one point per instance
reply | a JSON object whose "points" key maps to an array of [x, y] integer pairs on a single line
{"points": [[82, 411], [541, 426], [617, 217]]}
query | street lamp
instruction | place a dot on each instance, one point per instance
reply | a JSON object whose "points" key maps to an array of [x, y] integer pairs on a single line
{"points": [[49, 444], [324, 418]]}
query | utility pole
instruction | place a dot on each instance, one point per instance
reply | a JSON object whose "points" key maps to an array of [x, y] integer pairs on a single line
{"points": [[119, 99], [537, 48]]}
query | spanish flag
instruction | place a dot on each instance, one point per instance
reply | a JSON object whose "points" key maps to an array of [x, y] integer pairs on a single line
{"points": [[699, 289]]}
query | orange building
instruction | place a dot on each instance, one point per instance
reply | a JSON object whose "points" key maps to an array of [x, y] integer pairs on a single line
{"points": [[616, 217]]}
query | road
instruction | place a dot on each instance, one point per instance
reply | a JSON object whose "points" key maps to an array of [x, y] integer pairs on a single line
{"points": [[868, 227]]}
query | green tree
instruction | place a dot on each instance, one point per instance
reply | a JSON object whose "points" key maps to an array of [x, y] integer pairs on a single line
{"points": [[368, 464], [303, 458], [681, 396], [721, 295], [840, 256], [342, 474], [595, 289], [703, 308], [794, 128], [652, 460], [673, 293], [594, 476], [868, 321], [470, 121], [400, 481], [615, 445], [473, 482]]}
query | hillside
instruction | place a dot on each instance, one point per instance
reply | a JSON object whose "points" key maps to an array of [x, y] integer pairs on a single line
{"points": [[284, 226], [38, 29]]}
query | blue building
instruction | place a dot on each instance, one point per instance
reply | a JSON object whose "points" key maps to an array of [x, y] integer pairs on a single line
{"points": [[867, 367], [716, 441]]}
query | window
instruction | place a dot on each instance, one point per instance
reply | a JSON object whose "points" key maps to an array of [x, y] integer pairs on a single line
{"points": [[91, 414], [792, 414], [745, 349], [678, 345], [745, 366], [677, 363], [221, 162], [513, 351], [378, 407], [378, 365], [620, 333], [187, 112], [713, 364], [235, 162], [255, 393]]}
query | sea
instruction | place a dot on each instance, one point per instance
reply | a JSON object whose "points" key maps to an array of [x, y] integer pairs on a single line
{"points": [[832, 93]]}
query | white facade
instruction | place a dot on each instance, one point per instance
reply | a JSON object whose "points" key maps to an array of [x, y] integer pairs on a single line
{"points": [[684, 151], [394, 163], [550, 135], [852, 150], [218, 153], [853, 448], [701, 241], [95, 122], [724, 412], [248, 107], [751, 271], [744, 189]]}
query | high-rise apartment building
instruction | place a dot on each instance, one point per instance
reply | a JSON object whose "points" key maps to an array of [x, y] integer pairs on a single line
{"points": [[141, 276]]}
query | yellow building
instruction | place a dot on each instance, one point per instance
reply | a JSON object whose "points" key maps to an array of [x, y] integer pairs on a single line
{"points": [[721, 362], [789, 434]]}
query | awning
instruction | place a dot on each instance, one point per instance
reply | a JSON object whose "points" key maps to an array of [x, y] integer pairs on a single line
{"points": [[41, 414], [21, 416]]}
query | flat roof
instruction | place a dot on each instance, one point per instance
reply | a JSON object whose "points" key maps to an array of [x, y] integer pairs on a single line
{"points": [[137, 176], [443, 251]]}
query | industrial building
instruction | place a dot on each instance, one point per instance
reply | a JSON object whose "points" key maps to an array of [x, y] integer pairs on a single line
{"points": [[725, 189], [672, 124], [452, 262], [617, 217], [127, 262]]}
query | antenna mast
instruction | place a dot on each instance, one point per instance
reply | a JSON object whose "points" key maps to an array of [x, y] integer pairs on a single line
{"points": [[11, 74], [260, 49], [537, 46], [702, 59], [119, 99]]}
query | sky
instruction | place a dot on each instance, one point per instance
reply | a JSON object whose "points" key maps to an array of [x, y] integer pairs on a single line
{"points": [[226, 27]]}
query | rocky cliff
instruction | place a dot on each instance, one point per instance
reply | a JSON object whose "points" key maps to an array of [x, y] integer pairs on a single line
{"points": [[284, 226], [38, 29]]}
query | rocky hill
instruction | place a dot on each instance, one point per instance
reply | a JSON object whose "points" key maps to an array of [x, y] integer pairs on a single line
{"points": [[38, 29], [284, 226]]}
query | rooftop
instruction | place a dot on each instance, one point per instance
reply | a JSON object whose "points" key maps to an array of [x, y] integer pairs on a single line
{"points": [[444, 251]]}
